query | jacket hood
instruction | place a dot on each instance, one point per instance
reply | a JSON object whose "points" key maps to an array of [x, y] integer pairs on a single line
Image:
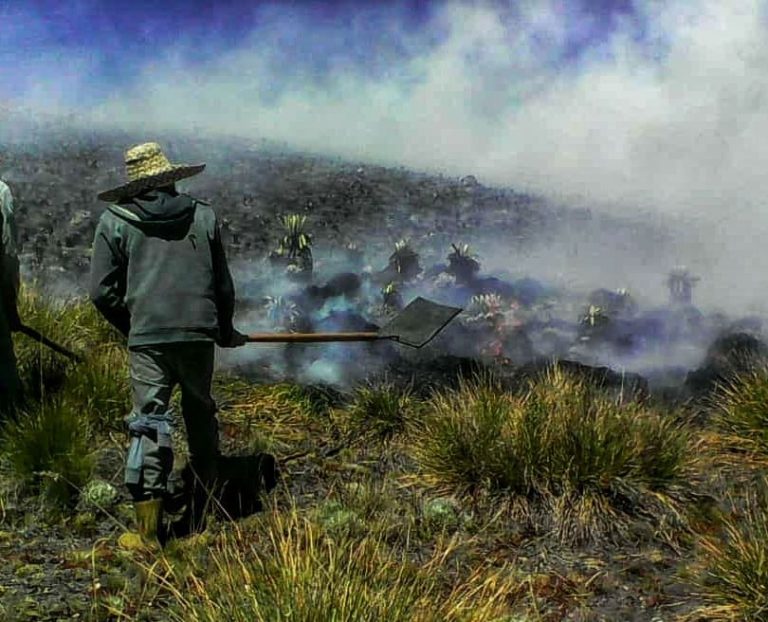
{"points": [[156, 209]]}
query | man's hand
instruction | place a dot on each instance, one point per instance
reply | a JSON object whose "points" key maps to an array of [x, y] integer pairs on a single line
{"points": [[234, 340]]}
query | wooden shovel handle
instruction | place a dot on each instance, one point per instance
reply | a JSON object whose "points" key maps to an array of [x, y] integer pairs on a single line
{"points": [[311, 337]]}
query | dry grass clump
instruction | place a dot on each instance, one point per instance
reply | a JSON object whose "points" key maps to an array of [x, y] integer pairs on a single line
{"points": [[383, 409], [733, 580], [100, 388], [74, 324], [47, 449], [741, 411], [47, 445], [289, 569], [562, 445]]}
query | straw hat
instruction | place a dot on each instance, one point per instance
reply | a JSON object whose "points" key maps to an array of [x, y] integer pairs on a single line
{"points": [[148, 168]]}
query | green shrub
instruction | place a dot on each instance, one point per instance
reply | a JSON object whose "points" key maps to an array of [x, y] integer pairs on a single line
{"points": [[562, 439], [733, 580], [241, 400], [338, 520], [47, 449]]}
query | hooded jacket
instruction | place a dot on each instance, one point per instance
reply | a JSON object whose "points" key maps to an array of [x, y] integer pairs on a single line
{"points": [[9, 262], [159, 273], [9, 316]]}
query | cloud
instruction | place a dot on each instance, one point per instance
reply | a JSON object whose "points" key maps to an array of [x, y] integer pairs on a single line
{"points": [[491, 97]]}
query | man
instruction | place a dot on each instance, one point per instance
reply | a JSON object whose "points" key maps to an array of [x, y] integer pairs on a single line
{"points": [[9, 315], [159, 274]]}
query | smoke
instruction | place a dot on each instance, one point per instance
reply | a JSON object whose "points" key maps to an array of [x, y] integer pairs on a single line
{"points": [[659, 109], [647, 110]]}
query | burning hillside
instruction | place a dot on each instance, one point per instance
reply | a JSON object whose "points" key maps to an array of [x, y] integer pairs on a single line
{"points": [[324, 245]]}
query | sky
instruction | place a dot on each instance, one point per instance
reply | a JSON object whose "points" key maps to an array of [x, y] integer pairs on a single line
{"points": [[626, 105], [79, 51]]}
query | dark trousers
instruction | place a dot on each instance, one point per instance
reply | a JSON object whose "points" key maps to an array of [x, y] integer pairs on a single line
{"points": [[155, 371]]}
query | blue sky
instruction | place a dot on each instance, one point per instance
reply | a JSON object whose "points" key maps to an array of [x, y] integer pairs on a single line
{"points": [[90, 47]]}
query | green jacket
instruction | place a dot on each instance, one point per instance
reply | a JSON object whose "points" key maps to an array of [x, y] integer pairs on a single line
{"points": [[9, 287], [159, 273], [9, 262]]}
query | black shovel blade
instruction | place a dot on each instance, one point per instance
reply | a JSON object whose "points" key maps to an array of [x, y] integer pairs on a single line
{"points": [[419, 322]]}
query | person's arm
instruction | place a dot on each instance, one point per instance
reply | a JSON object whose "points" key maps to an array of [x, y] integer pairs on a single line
{"points": [[9, 261], [109, 268], [225, 290]]}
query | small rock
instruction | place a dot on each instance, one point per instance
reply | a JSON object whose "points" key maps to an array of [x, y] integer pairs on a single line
{"points": [[99, 494], [441, 513]]}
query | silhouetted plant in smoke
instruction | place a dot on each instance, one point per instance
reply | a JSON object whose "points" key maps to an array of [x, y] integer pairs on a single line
{"points": [[463, 263], [680, 283], [404, 262], [594, 323], [618, 303], [354, 256], [485, 309], [484, 316], [282, 313], [392, 299], [295, 249]]}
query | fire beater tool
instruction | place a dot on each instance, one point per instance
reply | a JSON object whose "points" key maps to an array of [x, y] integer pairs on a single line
{"points": [[415, 326], [32, 333]]}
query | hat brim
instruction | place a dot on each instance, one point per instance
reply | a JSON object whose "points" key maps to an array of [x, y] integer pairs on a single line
{"points": [[136, 187]]}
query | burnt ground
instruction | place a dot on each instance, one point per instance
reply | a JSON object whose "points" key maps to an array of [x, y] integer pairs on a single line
{"points": [[55, 175]]}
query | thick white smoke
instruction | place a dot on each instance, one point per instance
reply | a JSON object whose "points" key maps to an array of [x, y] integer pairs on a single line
{"points": [[666, 114]]}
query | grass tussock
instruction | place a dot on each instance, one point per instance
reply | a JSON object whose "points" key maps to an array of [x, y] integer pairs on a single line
{"points": [[563, 445], [48, 451], [290, 570], [47, 445], [74, 324], [733, 577], [101, 388], [383, 410], [741, 411]]}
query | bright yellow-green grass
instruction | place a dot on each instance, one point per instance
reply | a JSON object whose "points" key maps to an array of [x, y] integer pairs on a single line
{"points": [[289, 568]]}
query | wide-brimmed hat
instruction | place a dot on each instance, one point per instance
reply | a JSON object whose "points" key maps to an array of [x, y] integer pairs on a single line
{"points": [[147, 168]]}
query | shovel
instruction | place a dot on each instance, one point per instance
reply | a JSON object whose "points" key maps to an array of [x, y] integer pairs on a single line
{"points": [[414, 326]]}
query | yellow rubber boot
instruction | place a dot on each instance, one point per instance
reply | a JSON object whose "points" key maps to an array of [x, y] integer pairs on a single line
{"points": [[149, 517]]}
